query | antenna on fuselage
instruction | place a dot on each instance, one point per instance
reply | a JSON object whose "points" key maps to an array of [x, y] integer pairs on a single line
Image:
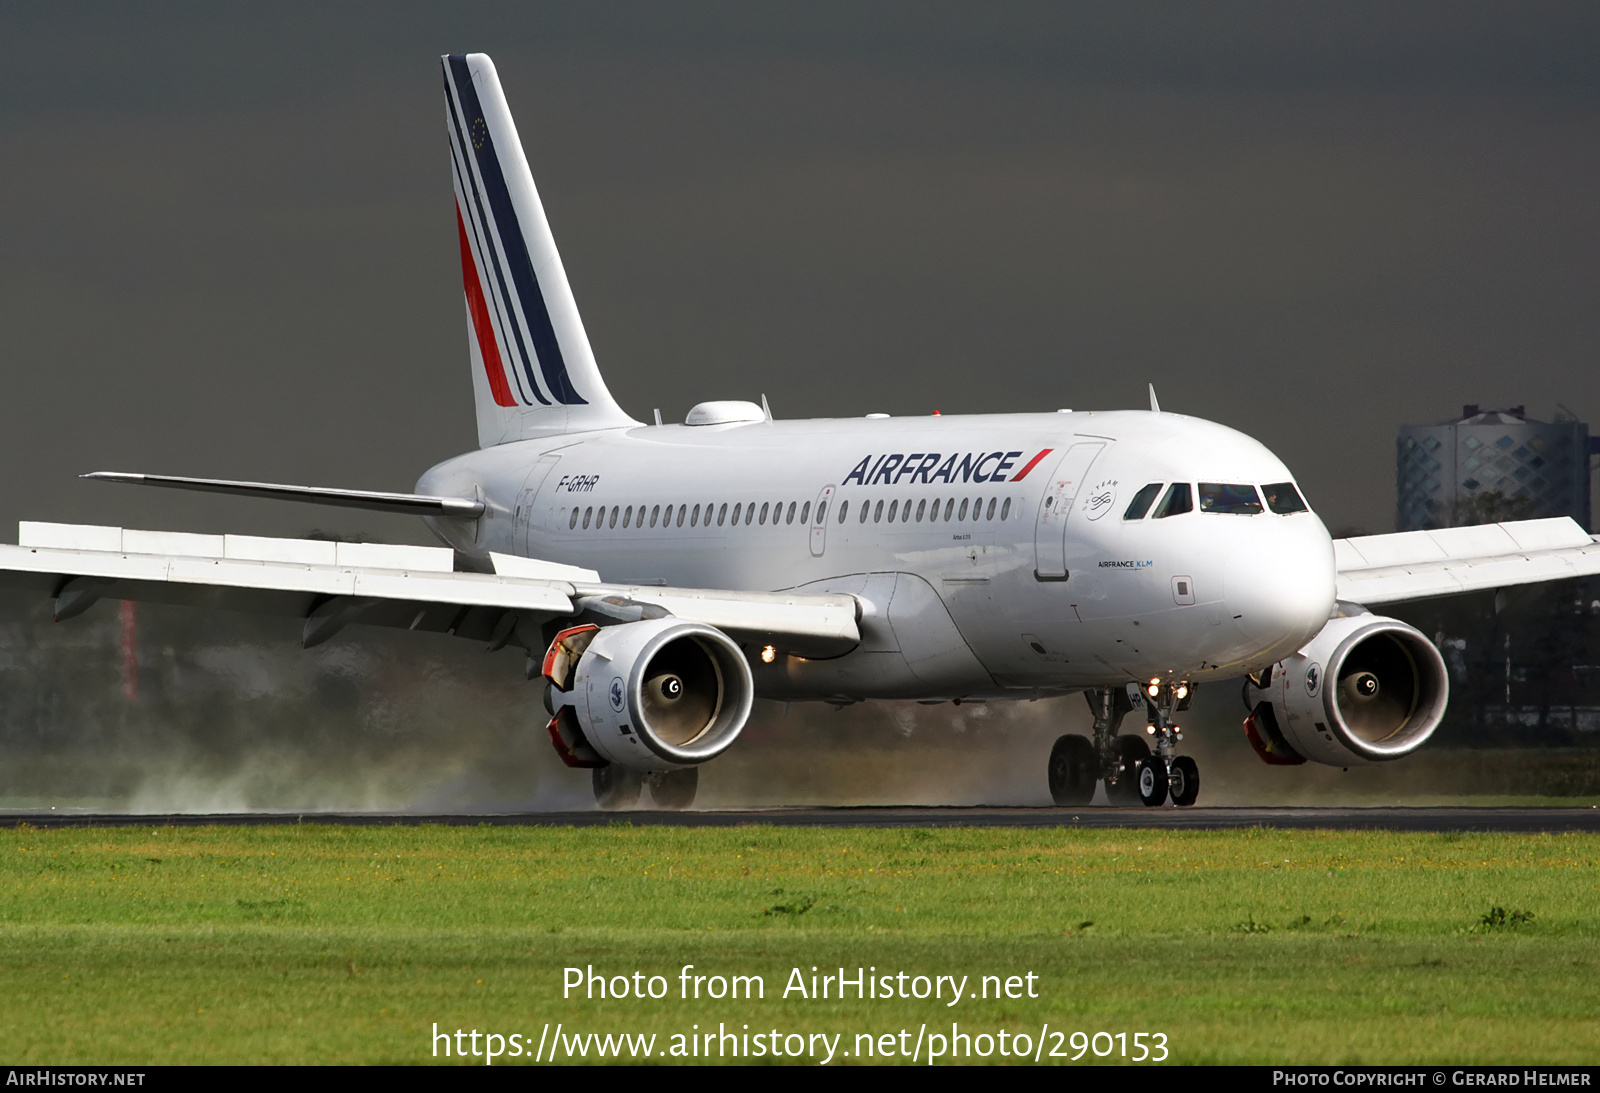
{"points": [[658, 416], [1155, 407], [765, 409]]}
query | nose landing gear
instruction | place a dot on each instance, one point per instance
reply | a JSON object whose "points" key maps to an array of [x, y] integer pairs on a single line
{"points": [[1126, 764]]}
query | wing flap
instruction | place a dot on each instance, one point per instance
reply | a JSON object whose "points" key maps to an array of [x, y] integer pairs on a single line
{"points": [[808, 623], [332, 584], [1417, 565]]}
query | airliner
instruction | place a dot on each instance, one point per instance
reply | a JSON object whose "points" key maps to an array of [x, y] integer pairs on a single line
{"points": [[659, 577]]}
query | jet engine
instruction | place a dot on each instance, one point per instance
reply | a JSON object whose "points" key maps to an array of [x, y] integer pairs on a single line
{"points": [[1365, 690], [655, 695]]}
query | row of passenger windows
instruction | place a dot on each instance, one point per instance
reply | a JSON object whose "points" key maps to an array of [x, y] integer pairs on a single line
{"points": [[955, 510], [682, 514], [1239, 500]]}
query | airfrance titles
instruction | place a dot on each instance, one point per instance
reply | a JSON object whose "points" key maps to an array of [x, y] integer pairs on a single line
{"points": [[930, 467]]}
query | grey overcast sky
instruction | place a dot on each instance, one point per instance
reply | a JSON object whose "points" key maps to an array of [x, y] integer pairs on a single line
{"points": [[227, 245]]}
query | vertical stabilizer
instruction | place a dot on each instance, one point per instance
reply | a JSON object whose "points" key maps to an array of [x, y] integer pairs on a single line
{"points": [[533, 372]]}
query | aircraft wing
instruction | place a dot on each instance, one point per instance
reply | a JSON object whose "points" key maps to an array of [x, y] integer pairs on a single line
{"points": [[331, 585], [1417, 565]]}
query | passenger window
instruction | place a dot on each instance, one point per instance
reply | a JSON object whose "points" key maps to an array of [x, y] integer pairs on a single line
{"points": [[722, 514], [933, 511], [822, 513], [736, 510], [655, 511], [963, 513], [894, 506], [627, 517], [805, 513], [681, 510], [587, 513], [763, 520], [694, 516], [1178, 501], [614, 516], [1142, 501], [1005, 510], [749, 513], [866, 510], [572, 523], [1229, 498], [789, 517], [922, 507], [877, 514], [977, 508], [990, 514], [844, 509], [1283, 498], [949, 507]]}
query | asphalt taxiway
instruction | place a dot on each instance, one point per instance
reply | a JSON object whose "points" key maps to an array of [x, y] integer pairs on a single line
{"points": [[1194, 819]]}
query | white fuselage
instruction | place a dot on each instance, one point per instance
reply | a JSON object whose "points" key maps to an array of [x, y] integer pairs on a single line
{"points": [[991, 553]]}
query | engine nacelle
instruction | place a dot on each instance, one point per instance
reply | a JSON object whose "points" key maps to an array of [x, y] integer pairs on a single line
{"points": [[1365, 690], [661, 694]]}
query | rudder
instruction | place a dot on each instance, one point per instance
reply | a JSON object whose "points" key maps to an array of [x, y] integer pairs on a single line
{"points": [[534, 373]]}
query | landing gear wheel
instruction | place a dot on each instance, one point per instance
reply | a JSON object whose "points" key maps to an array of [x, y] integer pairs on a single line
{"points": [[1072, 771], [1122, 788], [616, 787], [1153, 781], [674, 789], [1184, 781]]}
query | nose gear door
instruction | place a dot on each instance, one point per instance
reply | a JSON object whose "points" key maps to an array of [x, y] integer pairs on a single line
{"points": [[1050, 532]]}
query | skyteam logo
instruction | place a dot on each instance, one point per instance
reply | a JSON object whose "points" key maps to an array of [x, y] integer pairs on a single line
{"points": [[1100, 498], [617, 697], [931, 467]]}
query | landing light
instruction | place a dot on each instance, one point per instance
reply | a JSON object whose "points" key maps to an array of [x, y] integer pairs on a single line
{"points": [[1153, 690], [1150, 730], [768, 655], [1183, 690]]}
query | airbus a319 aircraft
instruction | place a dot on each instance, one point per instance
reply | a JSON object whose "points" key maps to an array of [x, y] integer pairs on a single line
{"points": [[660, 577]]}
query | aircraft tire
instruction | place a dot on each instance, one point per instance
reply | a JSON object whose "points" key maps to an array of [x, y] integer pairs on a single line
{"points": [[1184, 781], [1152, 781], [616, 786], [675, 789], [1123, 787], [1072, 770]]}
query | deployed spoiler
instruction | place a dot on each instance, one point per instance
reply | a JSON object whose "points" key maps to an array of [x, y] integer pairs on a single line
{"points": [[415, 504]]}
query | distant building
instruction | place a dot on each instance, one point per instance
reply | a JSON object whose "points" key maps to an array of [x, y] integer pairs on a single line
{"points": [[1492, 465]]}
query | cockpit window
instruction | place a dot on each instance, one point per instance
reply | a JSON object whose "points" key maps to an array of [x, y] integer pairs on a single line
{"points": [[1226, 497], [1142, 501], [1177, 501], [1283, 498]]}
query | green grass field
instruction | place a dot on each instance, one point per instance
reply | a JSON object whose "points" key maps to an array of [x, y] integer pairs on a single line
{"points": [[318, 944]]}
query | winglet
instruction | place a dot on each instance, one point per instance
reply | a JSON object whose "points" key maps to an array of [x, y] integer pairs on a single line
{"points": [[1155, 407]]}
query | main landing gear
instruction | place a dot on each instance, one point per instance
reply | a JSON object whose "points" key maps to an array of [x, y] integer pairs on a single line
{"points": [[1132, 773], [617, 787]]}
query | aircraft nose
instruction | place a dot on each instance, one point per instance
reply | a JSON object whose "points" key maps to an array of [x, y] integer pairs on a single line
{"points": [[1279, 586]]}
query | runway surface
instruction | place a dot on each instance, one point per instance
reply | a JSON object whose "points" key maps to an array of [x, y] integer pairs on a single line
{"points": [[1198, 819]]}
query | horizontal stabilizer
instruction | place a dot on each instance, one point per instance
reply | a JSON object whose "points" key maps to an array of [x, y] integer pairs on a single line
{"points": [[414, 504]]}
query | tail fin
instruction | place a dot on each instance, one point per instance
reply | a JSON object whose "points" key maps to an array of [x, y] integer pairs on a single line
{"points": [[533, 372]]}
